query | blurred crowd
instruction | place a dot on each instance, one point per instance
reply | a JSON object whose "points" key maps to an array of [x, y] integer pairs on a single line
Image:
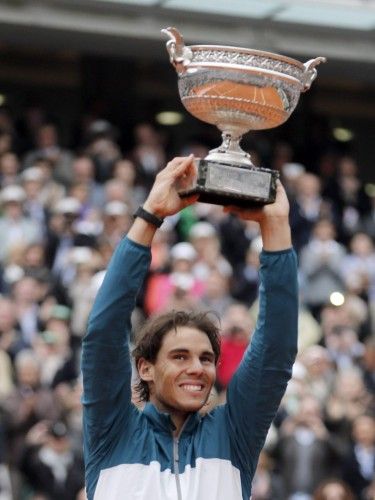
{"points": [[62, 213]]}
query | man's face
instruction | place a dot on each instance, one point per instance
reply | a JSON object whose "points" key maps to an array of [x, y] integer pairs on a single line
{"points": [[183, 374]]}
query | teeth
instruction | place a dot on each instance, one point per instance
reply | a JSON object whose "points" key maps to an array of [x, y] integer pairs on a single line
{"points": [[192, 388]]}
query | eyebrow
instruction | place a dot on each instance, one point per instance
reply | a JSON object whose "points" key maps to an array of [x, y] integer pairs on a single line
{"points": [[184, 350]]}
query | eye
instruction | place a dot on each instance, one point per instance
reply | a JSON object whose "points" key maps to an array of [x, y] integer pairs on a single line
{"points": [[180, 357], [207, 360]]}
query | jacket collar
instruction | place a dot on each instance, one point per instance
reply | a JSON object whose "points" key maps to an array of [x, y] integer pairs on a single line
{"points": [[163, 422]]}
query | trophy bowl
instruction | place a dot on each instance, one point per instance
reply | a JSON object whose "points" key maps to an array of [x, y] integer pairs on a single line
{"points": [[237, 90]]}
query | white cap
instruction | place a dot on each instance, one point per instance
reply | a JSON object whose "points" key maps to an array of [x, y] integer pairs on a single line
{"points": [[184, 281], [13, 193], [68, 205], [32, 174], [183, 251], [293, 170], [116, 208], [202, 230], [80, 255]]}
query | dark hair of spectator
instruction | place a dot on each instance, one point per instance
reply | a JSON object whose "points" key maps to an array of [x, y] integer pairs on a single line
{"points": [[320, 494], [149, 339]]}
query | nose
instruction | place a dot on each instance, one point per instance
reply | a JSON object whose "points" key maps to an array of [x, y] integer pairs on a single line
{"points": [[195, 366]]}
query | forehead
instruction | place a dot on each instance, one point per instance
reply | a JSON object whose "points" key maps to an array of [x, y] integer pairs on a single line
{"points": [[186, 337]]}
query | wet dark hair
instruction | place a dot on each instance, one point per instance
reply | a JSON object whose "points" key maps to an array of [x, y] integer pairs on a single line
{"points": [[149, 339]]}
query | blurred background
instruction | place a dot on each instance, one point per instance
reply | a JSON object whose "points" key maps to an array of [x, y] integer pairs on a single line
{"points": [[80, 59], [89, 113]]}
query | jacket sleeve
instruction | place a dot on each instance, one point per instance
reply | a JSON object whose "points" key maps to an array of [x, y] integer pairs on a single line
{"points": [[106, 363], [256, 389]]}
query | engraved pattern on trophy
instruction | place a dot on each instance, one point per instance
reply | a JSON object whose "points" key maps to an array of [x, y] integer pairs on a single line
{"points": [[243, 59], [237, 90]]}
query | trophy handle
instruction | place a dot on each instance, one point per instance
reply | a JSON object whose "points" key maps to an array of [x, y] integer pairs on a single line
{"points": [[179, 55], [310, 72]]}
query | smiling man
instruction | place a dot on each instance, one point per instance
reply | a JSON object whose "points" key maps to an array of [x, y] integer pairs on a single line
{"points": [[169, 451]]}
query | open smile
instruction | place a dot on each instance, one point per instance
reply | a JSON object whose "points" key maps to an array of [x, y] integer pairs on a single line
{"points": [[192, 388]]}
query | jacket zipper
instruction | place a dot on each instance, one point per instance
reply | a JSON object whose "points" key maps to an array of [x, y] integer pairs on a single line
{"points": [[176, 459]]}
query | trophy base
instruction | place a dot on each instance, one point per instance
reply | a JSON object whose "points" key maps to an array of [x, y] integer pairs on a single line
{"points": [[233, 184]]}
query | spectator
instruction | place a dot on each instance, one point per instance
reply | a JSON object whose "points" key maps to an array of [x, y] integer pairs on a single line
{"points": [[359, 464], [33, 180], [64, 235], [349, 197], [83, 170], [290, 175], [348, 400], [25, 406], [162, 286], [204, 238], [245, 280], [116, 222], [216, 296], [320, 374], [50, 465], [87, 262], [9, 169], [16, 229], [306, 452], [320, 264], [6, 141], [115, 190], [48, 146], [148, 154], [124, 171], [237, 328], [102, 148], [333, 489], [52, 191], [306, 209], [359, 267], [343, 346], [266, 485], [6, 379], [27, 293], [11, 340]]}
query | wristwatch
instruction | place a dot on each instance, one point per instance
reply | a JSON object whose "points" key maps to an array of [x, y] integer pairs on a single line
{"points": [[148, 217]]}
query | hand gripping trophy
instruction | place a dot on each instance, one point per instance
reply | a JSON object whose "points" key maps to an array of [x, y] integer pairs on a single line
{"points": [[237, 90]]}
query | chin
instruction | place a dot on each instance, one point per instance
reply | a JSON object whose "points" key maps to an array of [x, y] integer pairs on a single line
{"points": [[192, 406]]}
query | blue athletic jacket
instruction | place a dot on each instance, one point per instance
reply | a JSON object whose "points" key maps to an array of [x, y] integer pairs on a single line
{"points": [[131, 454]]}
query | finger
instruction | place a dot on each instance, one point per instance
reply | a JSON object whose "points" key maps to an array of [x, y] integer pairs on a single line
{"points": [[179, 165], [177, 162], [184, 166], [191, 170]]}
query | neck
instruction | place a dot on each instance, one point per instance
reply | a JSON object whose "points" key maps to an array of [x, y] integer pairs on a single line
{"points": [[178, 420], [178, 417]]}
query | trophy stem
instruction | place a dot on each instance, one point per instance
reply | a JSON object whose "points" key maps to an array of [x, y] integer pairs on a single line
{"points": [[230, 150]]}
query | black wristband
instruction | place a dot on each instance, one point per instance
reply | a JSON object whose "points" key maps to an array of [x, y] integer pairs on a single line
{"points": [[148, 217]]}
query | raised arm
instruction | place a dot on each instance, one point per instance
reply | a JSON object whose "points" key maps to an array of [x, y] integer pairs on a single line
{"points": [[106, 365], [256, 389]]}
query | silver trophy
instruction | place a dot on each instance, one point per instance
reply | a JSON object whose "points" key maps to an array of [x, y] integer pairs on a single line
{"points": [[237, 90]]}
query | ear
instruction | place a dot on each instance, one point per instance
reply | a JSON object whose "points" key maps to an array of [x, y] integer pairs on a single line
{"points": [[145, 370]]}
